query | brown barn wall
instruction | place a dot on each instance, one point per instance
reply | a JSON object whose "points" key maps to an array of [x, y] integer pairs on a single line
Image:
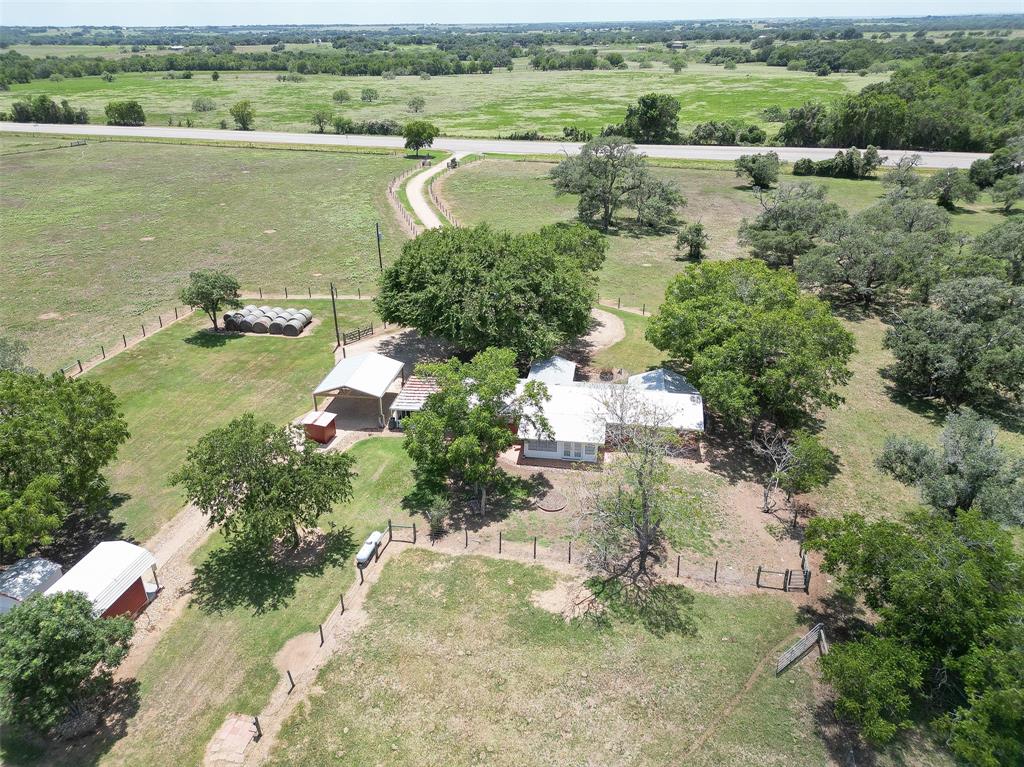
{"points": [[130, 602]]}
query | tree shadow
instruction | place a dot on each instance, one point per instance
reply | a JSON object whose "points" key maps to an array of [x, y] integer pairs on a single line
{"points": [[238, 576], [663, 609], [411, 348], [580, 350], [842, 615], [82, 530], [114, 710], [208, 338], [730, 456]]}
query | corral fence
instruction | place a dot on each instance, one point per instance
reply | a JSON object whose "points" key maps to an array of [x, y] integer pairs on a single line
{"points": [[351, 336], [816, 636]]}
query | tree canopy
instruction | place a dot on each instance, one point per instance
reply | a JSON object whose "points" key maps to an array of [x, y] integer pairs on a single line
{"points": [[791, 221], [56, 437], [754, 346], [479, 288], [260, 482], [762, 169], [457, 435], [211, 290], [419, 134], [243, 114], [654, 119], [125, 113], [12, 355], [55, 654]]}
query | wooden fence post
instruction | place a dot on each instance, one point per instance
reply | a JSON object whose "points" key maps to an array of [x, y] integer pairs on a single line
{"points": [[716, 571], [175, 312], [391, 534], [290, 681], [80, 367], [643, 310], [259, 730], [359, 292], [678, 559], [342, 604], [619, 304], [535, 547], [570, 551], [286, 292], [414, 532], [499, 541], [466, 529], [143, 331], [261, 293], [309, 290], [103, 351], [125, 339], [321, 635], [758, 582]]}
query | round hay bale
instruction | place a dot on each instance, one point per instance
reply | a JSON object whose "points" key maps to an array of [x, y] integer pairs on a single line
{"points": [[245, 324], [249, 308], [229, 322], [261, 325], [307, 314], [263, 309], [277, 327], [276, 309], [292, 328]]}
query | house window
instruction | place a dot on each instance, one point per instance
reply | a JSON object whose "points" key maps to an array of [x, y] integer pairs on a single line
{"points": [[590, 450], [543, 445], [572, 449]]}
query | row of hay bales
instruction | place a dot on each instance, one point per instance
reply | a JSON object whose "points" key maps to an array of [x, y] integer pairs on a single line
{"points": [[268, 319]]}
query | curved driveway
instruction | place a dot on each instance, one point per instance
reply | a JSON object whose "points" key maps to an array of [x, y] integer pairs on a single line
{"points": [[469, 145], [414, 190]]}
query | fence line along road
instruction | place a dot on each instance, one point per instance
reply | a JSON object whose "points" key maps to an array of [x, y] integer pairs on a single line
{"points": [[471, 145]]}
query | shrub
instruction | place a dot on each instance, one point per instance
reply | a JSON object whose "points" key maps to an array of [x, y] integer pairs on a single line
{"points": [[369, 95], [341, 96], [107, 77], [805, 166], [291, 77], [203, 104], [125, 113], [753, 134], [388, 75]]}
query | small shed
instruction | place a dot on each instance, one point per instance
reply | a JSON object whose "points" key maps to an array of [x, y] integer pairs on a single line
{"points": [[319, 426], [368, 375], [553, 370], [24, 578], [112, 577]]}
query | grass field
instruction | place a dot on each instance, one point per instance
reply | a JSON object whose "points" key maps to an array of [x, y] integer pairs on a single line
{"points": [[181, 383], [463, 105], [519, 196], [100, 238], [458, 667]]}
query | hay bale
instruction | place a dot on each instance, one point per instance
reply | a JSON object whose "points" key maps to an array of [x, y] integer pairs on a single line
{"points": [[276, 310], [261, 325], [245, 324], [277, 327], [229, 321], [307, 314], [249, 308], [292, 328], [263, 309]]}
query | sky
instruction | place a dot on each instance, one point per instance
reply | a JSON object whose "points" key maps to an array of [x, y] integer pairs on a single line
{"points": [[226, 12]]}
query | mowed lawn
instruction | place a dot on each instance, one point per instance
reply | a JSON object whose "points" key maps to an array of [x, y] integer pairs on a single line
{"points": [[458, 667], [461, 105], [184, 381], [519, 196], [99, 239]]}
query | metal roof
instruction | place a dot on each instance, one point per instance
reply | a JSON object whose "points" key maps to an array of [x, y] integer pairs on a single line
{"points": [[553, 370], [370, 373], [28, 576], [414, 394], [105, 573]]}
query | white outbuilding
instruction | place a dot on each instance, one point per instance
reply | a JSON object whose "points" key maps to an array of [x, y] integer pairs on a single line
{"points": [[32, 575], [362, 375], [112, 577]]}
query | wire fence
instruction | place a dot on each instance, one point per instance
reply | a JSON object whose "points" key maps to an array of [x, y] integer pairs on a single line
{"points": [[410, 224]]}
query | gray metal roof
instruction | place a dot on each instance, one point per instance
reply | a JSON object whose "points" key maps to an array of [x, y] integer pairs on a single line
{"points": [[28, 576]]}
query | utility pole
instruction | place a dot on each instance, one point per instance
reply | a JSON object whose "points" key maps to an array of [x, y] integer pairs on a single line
{"points": [[380, 257], [334, 307]]}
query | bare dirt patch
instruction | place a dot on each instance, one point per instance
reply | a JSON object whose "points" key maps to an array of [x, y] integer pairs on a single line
{"points": [[567, 598], [146, 239], [269, 231], [49, 316]]}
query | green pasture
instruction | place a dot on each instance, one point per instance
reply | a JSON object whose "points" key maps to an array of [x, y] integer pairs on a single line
{"points": [[461, 105], [99, 239]]}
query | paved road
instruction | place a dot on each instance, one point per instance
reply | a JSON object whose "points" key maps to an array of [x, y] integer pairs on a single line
{"points": [[468, 145]]}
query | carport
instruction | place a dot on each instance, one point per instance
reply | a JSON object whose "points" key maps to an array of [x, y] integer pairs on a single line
{"points": [[361, 376]]}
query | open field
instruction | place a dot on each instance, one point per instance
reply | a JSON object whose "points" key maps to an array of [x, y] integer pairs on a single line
{"points": [[99, 238], [457, 667], [519, 196], [462, 105], [183, 382]]}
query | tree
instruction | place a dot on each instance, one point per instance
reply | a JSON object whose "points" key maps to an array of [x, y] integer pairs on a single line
{"points": [[968, 346], [948, 186], [125, 113], [967, 471], [695, 238], [654, 200], [791, 221], [799, 463], [947, 594], [478, 288], [754, 346], [417, 104], [211, 290], [369, 95], [243, 114], [903, 177], [1004, 245], [260, 482], [761, 169], [12, 355], [215, 76], [804, 126], [55, 654], [462, 428], [56, 437], [1007, 190], [341, 96], [654, 119], [419, 134], [343, 124], [322, 117], [603, 174], [678, 64]]}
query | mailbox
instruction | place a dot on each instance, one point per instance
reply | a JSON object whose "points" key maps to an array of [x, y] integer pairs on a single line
{"points": [[368, 549]]}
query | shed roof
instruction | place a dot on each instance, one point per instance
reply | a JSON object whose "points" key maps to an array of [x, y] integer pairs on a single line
{"points": [[105, 573], [414, 394], [27, 576], [553, 370], [369, 373]]}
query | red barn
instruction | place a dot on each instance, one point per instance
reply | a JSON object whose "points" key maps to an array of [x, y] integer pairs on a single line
{"points": [[112, 576]]}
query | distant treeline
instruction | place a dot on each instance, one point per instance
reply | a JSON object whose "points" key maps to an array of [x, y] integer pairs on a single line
{"points": [[522, 35]]}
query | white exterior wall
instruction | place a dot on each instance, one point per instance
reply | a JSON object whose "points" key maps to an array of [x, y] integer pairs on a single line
{"points": [[558, 454]]}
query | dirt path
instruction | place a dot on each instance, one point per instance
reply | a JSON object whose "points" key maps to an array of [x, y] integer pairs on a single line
{"points": [[415, 190], [608, 332]]}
